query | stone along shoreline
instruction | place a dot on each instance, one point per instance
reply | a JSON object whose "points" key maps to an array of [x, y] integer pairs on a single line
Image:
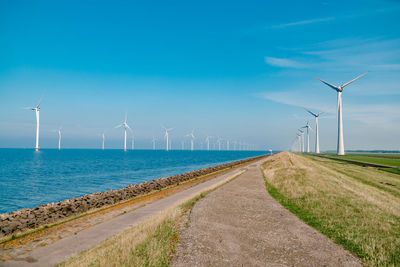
{"points": [[25, 219]]}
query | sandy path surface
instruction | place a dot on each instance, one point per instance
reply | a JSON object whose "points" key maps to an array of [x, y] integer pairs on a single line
{"points": [[240, 224]]}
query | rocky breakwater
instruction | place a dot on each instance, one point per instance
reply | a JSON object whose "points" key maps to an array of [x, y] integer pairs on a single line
{"points": [[24, 219]]}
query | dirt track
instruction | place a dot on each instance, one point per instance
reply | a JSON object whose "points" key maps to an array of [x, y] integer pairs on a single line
{"points": [[239, 224]]}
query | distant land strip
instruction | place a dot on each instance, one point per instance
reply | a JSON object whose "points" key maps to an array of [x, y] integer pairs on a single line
{"points": [[363, 163]]}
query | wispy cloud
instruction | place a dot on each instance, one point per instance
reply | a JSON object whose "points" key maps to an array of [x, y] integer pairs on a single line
{"points": [[302, 22], [284, 62]]}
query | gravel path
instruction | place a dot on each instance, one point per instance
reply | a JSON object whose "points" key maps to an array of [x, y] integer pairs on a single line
{"points": [[240, 224]]}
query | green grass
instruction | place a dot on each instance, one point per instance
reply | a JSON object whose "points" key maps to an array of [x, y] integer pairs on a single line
{"points": [[357, 207], [370, 158]]}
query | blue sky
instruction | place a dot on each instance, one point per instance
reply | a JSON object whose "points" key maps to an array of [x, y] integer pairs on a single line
{"points": [[241, 70]]}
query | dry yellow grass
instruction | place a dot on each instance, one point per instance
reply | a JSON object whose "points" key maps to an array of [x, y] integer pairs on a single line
{"points": [[357, 207], [149, 243]]}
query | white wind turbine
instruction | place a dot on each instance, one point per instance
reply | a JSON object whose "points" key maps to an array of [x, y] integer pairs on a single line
{"points": [[133, 141], [154, 143], [59, 138], [102, 144], [166, 136], [339, 89], [316, 115], [36, 109], [219, 143], [308, 127], [191, 135], [208, 142], [125, 126], [299, 140], [302, 140], [227, 144]]}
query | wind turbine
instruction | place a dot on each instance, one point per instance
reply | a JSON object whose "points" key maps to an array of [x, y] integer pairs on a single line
{"points": [[316, 115], [191, 135], [308, 127], [59, 138], [339, 90], [302, 140], [154, 143], [219, 143], [167, 137], [133, 141], [227, 144], [102, 144], [208, 142], [36, 109], [125, 126], [299, 140]]}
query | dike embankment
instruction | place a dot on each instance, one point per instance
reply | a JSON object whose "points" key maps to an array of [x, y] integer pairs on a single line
{"points": [[25, 219]]}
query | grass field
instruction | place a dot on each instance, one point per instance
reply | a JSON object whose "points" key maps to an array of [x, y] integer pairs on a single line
{"points": [[389, 160], [355, 206]]}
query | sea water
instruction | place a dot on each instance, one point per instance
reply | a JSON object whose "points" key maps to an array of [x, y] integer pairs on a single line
{"points": [[31, 178]]}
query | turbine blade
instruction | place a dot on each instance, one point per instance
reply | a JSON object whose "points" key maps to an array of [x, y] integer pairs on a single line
{"points": [[118, 126], [345, 84], [312, 113], [40, 101], [330, 85], [29, 108]]}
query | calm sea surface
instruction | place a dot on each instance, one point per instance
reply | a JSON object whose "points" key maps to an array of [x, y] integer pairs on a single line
{"points": [[29, 178]]}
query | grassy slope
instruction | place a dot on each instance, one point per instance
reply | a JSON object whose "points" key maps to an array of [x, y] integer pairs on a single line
{"points": [[356, 207]]}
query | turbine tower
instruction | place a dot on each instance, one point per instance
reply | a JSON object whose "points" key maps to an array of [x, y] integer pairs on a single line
{"points": [[316, 115], [125, 126], [36, 109], [59, 138], [133, 142], [102, 144], [219, 143], [339, 89], [302, 140], [308, 127], [191, 135], [299, 140], [166, 136], [227, 144], [208, 142], [154, 143]]}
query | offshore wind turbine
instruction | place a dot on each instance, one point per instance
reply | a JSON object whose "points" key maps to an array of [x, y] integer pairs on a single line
{"points": [[316, 116], [154, 143], [219, 143], [59, 138], [208, 142], [125, 126], [308, 127], [191, 135], [133, 141], [102, 144], [36, 109], [166, 136], [339, 90]]}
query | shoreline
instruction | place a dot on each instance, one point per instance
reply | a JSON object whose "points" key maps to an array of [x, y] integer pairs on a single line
{"points": [[28, 219]]}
